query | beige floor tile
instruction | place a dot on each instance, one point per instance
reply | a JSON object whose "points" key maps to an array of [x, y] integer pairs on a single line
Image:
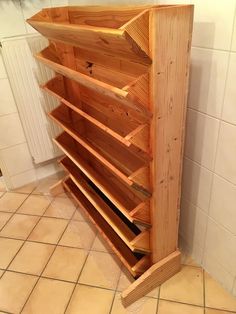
{"points": [[166, 307], [8, 249], [19, 226], [35, 205], [2, 185], [79, 215], [142, 306], [186, 286], [1, 272], [4, 217], [61, 207], [65, 264], [48, 230], [27, 189], [32, 258], [90, 300], [78, 234], [10, 202], [126, 279], [44, 185], [14, 290], [1, 193], [217, 297], [213, 311], [49, 296], [101, 270], [100, 245]]}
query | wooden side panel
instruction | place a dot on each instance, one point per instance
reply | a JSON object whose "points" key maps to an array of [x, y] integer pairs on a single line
{"points": [[170, 33], [153, 277]]}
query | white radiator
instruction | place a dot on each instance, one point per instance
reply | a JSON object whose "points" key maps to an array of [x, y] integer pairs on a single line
{"points": [[25, 75]]}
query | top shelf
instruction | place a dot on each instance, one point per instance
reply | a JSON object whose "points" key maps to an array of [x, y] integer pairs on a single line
{"points": [[111, 31]]}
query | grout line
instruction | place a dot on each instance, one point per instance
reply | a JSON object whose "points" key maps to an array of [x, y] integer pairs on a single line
{"points": [[184, 303], [47, 261], [82, 268], [158, 299]]}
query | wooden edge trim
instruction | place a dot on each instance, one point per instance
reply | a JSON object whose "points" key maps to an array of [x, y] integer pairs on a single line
{"points": [[152, 278]]}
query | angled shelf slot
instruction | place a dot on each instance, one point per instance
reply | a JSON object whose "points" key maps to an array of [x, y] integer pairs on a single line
{"points": [[133, 237], [136, 263], [111, 35], [131, 205], [130, 165], [113, 84], [118, 122]]}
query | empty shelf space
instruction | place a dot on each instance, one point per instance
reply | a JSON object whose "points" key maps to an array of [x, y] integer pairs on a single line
{"points": [[121, 123], [136, 240], [130, 165], [105, 31], [132, 204], [136, 263], [122, 87]]}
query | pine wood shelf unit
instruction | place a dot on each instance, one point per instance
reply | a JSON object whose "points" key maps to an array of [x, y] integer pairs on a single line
{"points": [[121, 79]]}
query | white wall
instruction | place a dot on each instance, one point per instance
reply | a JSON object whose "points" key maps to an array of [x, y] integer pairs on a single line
{"points": [[15, 159]]}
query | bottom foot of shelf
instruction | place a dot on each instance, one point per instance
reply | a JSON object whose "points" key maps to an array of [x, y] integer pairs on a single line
{"points": [[152, 278]]}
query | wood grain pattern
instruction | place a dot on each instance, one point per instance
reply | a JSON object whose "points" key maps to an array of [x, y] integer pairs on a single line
{"points": [[171, 30]]}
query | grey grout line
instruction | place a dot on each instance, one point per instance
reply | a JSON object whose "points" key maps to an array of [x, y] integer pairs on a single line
{"points": [[39, 277], [158, 299], [82, 268]]}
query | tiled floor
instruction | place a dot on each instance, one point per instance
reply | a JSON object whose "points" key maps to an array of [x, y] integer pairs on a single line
{"points": [[53, 261]]}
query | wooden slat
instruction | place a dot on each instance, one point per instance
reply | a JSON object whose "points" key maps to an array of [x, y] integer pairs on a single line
{"points": [[48, 57], [121, 196], [114, 42], [109, 124], [135, 243], [117, 159], [117, 245]]}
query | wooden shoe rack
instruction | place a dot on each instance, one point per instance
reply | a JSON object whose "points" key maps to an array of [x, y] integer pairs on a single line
{"points": [[121, 78]]}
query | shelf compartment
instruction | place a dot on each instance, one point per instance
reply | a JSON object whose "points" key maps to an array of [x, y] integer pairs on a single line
{"points": [[111, 35], [134, 207], [130, 260], [130, 165], [110, 83], [136, 240], [117, 122]]}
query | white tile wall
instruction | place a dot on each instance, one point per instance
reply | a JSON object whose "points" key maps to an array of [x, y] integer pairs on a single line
{"points": [[226, 152], [11, 19], [196, 185], [201, 138], [7, 102], [3, 73], [193, 222], [233, 47], [221, 244], [207, 80], [11, 132], [223, 203], [17, 159], [213, 23], [229, 107]]}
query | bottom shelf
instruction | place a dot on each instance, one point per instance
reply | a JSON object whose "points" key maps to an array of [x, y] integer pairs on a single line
{"points": [[135, 263]]}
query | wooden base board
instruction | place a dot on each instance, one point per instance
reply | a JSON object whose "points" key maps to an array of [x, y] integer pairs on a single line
{"points": [[57, 188], [152, 278]]}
